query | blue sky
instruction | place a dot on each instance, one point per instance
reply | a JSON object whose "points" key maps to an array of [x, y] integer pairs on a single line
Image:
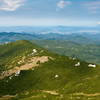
{"points": [[49, 12]]}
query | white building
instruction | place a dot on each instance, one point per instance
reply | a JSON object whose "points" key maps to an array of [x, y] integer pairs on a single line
{"points": [[17, 73], [92, 65], [34, 51], [56, 76], [78, 64]]}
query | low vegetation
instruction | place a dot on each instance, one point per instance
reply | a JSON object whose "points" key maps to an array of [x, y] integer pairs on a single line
{"points": [[55, 79], [86, 52]]}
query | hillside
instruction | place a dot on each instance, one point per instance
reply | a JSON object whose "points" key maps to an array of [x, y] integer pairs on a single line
{"points": [[29, 72], [14, 52], [85, 52], [83, 46]]}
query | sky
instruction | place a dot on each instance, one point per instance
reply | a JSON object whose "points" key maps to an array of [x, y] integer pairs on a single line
{"points": [[49, 12]]}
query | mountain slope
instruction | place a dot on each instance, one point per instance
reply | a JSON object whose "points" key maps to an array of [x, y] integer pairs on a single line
{"points": [[83, 46], [12, 53], [85, 52], [53, 78]]}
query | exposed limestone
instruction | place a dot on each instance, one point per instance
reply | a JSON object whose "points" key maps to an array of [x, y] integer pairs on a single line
{"points": [[28, 65]]}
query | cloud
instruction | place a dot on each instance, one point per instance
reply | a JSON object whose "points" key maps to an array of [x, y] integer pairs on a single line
{"points": [[62, 3], [93, 6], [10, 5], [98, 23]]}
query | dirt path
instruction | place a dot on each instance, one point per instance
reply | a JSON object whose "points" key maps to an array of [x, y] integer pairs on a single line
{"points": [[29, 65], [50, 92], [85, 94], [6, 97]]}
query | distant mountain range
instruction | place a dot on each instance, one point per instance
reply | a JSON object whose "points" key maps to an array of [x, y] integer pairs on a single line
{"points": [[85, 38], [51, 29]]}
